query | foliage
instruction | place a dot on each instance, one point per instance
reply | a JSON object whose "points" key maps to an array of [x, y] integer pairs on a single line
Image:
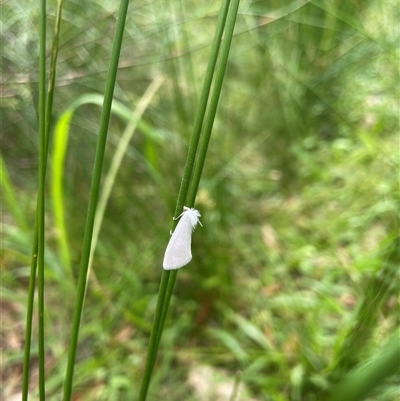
{"points": [[294, 278]]}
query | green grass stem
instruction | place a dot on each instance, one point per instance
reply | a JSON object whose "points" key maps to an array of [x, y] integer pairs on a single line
{"points": [[208, 124], [41, 196], [194, 143], [212, 109], [29, 313], [227, 13], [94, 194], [45, 112], [201, 111], [154, 336], [52, 72]]}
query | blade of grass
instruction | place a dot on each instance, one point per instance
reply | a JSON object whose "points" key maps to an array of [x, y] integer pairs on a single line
{"points": [[117, 160], [154, 336], [41, 195], [45, 107], [29, 312], [168, 278], [210, 117], [57, 198], [53, 69], [208, 124], [356, 385], [10, 198], [377, 290], [61, 136], [94, 194]]}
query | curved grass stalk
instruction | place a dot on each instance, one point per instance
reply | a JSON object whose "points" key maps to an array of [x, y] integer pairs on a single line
{"points": [[61, 136], [116, 162], [9, 197]]}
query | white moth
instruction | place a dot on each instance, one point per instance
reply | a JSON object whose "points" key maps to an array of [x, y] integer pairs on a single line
{"points": [[178, 252]]}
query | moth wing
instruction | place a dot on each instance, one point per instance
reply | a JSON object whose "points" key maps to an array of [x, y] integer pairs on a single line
{"points": [[178, 252]]}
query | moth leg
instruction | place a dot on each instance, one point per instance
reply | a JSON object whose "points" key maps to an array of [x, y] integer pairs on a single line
{"points": [[177, 218]]}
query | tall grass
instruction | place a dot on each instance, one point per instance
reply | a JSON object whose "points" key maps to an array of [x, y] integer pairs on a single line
{"points": [[194, 164], [94, 194], [294, 278]]}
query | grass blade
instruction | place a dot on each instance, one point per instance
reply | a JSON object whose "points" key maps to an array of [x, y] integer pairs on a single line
{"points": [[94, 194], [61, 137], [41, 195], [209, 120], [117, 160], [45, 112], [359, 383], [29, 314], [194, 143], [10, 197], [378, 289], [227, 13]]}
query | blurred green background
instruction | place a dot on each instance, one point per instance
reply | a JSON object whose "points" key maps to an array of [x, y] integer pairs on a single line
{"points": [[294, 278]]}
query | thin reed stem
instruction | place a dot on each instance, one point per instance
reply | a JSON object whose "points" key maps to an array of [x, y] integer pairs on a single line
{"points": [[227, 13], [94, 194], [41, 195], [45, 107]]}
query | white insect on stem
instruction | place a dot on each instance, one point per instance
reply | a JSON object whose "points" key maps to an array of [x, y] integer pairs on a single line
{"points": [[178, 252]]}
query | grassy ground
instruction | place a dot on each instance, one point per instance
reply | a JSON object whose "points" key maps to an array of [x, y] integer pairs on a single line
{"points": [[294, 278]]}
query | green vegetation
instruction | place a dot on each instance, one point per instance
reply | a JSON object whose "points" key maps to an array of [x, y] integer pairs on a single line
{"points": [[293, 290]]}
